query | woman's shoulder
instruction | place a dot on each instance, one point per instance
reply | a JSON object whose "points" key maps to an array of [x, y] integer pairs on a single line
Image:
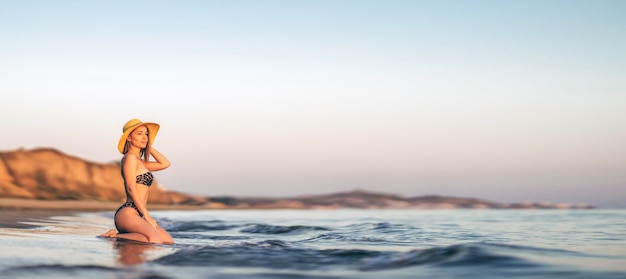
{"points": [[128, 158]]}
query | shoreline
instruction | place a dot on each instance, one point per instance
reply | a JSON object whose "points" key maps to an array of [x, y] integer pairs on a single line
{"points": [[56, 205], [83, 205], [17, 213], [20, 218], [25, 214]]}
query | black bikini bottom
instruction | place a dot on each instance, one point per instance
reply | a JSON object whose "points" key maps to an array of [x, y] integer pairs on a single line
{"points": [[129, 204]]}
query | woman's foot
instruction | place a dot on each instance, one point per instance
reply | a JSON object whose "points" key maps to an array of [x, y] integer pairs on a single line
{"points": [[109, 233]]}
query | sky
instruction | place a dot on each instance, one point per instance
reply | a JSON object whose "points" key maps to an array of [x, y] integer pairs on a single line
{"points": [[507, 101]]}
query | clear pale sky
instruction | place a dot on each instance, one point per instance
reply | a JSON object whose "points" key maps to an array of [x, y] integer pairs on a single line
{"points": [[502, 100]]}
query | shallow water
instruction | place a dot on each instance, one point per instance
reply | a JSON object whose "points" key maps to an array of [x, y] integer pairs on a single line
{"points": [[330, 244]]}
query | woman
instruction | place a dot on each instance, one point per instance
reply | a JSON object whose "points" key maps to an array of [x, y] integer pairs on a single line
{"points": [[132, 219]]}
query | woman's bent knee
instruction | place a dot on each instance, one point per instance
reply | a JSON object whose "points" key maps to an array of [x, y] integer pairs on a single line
{"points": [[155, 239]]}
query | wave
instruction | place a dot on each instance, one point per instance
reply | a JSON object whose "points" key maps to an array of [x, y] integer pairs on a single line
{"points": [[453, 255], [308, 250], [196, 226], [280, 254], [216, 225], [184, 235], [342, 238], [273, 229], [59, 270], [265, 254], [379, 227], [281, 259]]}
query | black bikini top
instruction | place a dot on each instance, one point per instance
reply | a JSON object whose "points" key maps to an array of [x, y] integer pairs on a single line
{"points": [[145, 179]]}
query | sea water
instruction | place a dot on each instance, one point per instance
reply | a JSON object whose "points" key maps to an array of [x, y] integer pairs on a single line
{"points": [[329, 244]]}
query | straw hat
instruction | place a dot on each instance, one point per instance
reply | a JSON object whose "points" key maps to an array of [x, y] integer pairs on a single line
{"points": [[153, 128]]}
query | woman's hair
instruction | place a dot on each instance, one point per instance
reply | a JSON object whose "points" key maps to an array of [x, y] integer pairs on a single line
{"points": [[145, 152]]}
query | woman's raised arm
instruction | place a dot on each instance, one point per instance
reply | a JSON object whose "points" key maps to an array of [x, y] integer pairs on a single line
{"points": [[161, 161]]}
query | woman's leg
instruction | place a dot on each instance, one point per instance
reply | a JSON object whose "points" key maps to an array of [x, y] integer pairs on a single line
{"points": [[165, 237], [133, 236], [133, 227], [112, 233], [109, 233]]}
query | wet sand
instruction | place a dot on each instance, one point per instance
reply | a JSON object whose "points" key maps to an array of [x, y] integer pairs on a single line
{"points": [[20, 218], [21, 213], [17, 213]]}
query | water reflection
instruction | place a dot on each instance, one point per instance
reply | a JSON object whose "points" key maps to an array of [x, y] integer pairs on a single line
{"points": [[131, 252]]}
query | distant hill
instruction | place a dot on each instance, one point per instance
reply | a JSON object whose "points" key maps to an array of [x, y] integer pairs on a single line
{"points": [[370, 200], [48, 174]]}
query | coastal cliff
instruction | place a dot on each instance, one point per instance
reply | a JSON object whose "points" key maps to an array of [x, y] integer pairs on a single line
{"points": [[48, 174], [51, 176]]}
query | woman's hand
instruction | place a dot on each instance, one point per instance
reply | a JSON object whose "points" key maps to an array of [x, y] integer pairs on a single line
{"points": [[151, 221]]}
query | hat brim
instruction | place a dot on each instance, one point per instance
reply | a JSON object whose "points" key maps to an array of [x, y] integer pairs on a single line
{"points": [[153, 129]]}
